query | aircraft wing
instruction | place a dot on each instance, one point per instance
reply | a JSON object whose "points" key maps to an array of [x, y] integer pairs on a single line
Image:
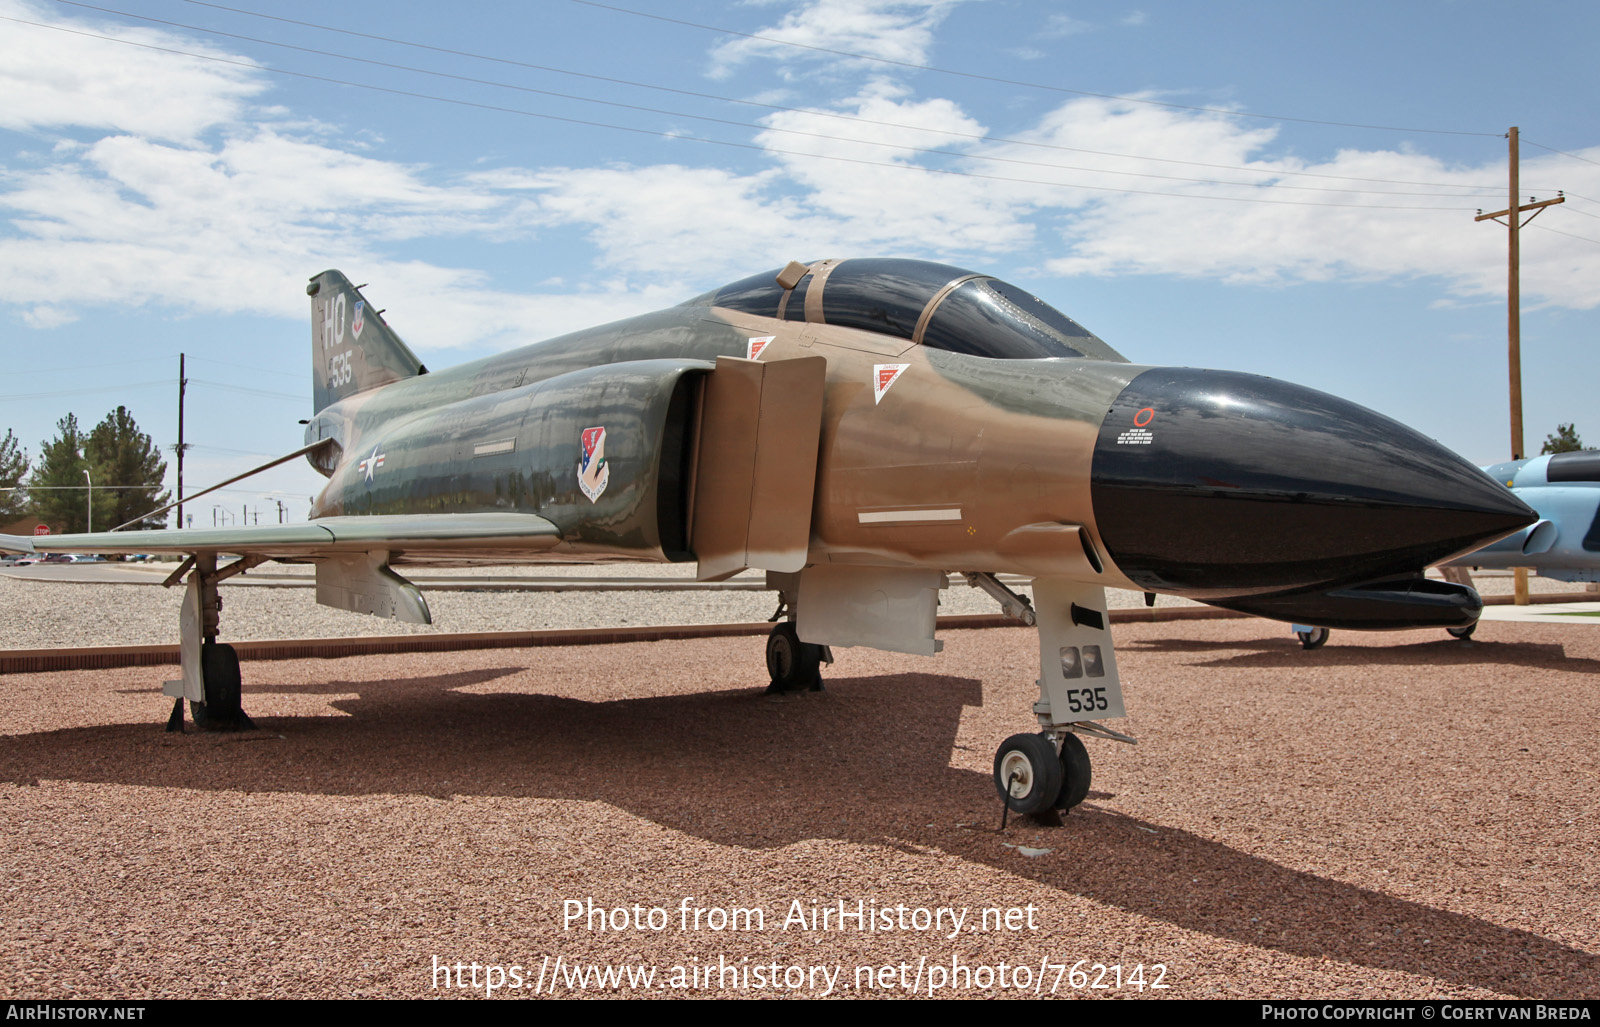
{"points": [[467, 536]]}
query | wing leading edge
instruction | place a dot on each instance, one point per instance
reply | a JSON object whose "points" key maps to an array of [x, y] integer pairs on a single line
{"points": [[425, 536]]}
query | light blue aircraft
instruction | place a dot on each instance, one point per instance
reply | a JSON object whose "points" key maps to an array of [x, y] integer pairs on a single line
{"points": [[1564, 543]]}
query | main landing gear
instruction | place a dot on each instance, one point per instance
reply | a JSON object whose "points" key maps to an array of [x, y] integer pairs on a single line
{"points": [[1315, 638], [211, 680], [793, 665], [1311, 638], [1078, 682]]}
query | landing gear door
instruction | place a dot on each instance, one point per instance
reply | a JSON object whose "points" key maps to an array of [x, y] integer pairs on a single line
{"points": [[1077, 664], [189, 684], [755, 470]]}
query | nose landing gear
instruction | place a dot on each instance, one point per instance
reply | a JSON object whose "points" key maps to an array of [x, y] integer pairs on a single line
{"points": [[1035, 773]]}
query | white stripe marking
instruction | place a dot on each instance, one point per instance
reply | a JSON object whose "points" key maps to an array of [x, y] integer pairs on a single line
{"points": [[888, 516], [491, 448]]}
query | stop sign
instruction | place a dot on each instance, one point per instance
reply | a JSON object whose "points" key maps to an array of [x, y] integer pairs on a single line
{"points": [[41, 529]]}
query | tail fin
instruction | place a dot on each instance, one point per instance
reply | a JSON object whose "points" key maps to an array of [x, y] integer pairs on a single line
{"points": [[352, 348]]}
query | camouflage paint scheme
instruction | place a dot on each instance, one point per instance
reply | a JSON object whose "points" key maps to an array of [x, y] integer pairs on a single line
{"points": [[858, 429], [1008, 446], [973, 458]]}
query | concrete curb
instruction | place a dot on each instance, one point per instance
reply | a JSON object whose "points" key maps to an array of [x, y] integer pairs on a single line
{"points": [[27, 661]]}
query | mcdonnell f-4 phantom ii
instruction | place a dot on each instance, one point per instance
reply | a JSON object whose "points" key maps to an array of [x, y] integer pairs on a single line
{"points": [[860, 430]]}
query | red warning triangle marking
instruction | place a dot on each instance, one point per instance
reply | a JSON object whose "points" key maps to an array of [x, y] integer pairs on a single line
{"points": [[885, 376]]}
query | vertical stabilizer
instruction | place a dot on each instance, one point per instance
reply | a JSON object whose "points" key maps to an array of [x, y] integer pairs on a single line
{"points": [[352, 348]]}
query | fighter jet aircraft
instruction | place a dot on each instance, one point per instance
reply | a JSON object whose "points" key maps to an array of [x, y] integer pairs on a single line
{"points": [[860, 430], [1564, 489]]}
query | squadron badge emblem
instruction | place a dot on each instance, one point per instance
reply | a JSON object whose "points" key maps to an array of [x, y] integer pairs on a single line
{"points": [[593, 473]]}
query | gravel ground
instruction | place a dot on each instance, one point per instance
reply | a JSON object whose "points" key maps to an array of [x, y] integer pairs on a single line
{"points": [[1395, 815]]}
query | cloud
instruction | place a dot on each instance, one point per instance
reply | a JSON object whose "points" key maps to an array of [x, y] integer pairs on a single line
{"points": [[198, 227], [868, 195], [46, 316], [132, 222], [894, 30], [55, 79], [191, 200], [1060, 26], [886, 202], [1289, 227], [217, 204]]}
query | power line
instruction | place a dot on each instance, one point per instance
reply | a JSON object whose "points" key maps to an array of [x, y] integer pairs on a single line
{"points": [[1017, 82], [78, 368], [702, 139], [165, 382], [249, 391], [1563, 153], [875, 122], [1569, 235], [745, 124], [78, 392], [243, 367], [237, 452]]}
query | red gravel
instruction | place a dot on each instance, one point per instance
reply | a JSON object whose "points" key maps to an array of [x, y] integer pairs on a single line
{"points": [[1396, 815]]}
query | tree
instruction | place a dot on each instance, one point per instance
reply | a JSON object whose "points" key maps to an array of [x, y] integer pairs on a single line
{"points": [[123, 455], [13, 467], [1565, 440], [56, 486]]}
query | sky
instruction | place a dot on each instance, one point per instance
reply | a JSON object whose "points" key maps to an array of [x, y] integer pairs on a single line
{"points": [[1284, 189]]}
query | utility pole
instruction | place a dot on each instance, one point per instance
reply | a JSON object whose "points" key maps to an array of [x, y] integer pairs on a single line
{"points": [[182, 384], [1513, 213]]}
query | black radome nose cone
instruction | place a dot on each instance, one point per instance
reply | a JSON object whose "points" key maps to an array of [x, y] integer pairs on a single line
{"points": [[1214, 484]]}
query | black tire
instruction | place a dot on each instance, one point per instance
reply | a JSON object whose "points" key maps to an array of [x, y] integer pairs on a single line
{"points": [[1463, 633], [1075, 773], [1032, 761], [1313, 639], [791, 663], [219, 670]]}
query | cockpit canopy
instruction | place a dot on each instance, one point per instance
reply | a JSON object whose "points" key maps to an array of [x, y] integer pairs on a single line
{"points": [[932, 304]]}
